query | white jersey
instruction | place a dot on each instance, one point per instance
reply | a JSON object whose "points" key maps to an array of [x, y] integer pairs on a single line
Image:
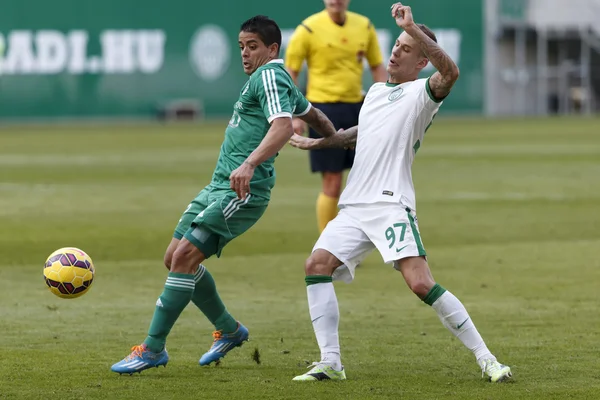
{"points": [[391, 127]]}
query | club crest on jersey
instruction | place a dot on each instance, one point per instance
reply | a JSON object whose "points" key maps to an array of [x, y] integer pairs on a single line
{"points": [[395, 95]]}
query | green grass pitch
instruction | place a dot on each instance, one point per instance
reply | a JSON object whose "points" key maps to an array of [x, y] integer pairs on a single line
{"points": [[509, 213]]}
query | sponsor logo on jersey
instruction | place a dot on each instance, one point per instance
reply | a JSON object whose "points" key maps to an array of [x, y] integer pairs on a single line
{"points": [[387, 193]]}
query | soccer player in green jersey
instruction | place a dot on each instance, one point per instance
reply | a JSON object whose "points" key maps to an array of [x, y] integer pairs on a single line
{"points": [[234, 200]]}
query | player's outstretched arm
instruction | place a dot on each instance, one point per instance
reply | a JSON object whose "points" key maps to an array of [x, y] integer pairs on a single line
{"points": [[319, 122], [342, 139], [447, 72]]}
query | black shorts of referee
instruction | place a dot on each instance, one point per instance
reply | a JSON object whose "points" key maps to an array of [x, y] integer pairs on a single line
{"points": [[343, 116]]}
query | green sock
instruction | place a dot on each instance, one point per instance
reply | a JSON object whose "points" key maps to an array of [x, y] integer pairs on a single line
{"points": [[314, 279], [434, 293], [174, 298], [207, 299]]}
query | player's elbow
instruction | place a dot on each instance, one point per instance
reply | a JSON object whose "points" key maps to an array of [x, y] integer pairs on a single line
{"points": [[449, 77], [454, 74]]}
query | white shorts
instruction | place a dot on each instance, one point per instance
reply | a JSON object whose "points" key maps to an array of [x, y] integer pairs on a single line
{"points": [[358, 229]]}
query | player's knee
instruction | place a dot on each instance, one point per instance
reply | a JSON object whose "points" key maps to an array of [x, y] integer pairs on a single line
{"points": [[314, 266], [417, 275], [186, 258], [421, 287], [167, 259]]}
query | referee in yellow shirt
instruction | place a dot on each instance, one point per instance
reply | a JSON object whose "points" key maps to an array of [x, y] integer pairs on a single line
{"points": [[334, 43]]}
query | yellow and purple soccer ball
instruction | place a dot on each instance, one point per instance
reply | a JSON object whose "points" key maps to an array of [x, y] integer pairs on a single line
{"points": [[69, 272]]}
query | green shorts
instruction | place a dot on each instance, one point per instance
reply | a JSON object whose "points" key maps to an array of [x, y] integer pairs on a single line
{"points": [[216, 216]]}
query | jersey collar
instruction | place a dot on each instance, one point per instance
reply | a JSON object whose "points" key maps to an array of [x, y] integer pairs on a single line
{"points": [[276, 61]]}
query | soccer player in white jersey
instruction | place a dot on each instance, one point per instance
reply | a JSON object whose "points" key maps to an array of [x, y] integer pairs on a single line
{"points": [[377, 207]]}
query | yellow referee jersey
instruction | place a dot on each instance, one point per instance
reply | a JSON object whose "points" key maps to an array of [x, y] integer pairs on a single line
{"points": [[334, 55]]}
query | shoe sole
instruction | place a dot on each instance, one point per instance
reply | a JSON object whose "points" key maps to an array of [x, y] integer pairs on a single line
{"points": [[503, 378], [317, 380], [218, 360], [140, 371]]}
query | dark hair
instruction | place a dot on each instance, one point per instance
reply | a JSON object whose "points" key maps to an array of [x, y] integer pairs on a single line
{"points": [[427, 31], [267, 30]]}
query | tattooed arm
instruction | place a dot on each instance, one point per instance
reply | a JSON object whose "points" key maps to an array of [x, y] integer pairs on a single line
{"points": [[319, 122], [342, 139], [447, 72]]}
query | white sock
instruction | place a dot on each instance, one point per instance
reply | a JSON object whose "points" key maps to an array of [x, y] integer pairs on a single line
{"points": [[325, 316], [454, 316]]}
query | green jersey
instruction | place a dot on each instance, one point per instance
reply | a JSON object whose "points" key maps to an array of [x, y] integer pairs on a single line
{"points": [[269, 93]]}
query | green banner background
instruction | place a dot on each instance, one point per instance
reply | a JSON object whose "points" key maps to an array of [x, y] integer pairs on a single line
{"points": [[120, 58]]}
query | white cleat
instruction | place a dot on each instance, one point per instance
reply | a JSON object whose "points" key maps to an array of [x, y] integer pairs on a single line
{"points": [[495, 371], [321, 372]]}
